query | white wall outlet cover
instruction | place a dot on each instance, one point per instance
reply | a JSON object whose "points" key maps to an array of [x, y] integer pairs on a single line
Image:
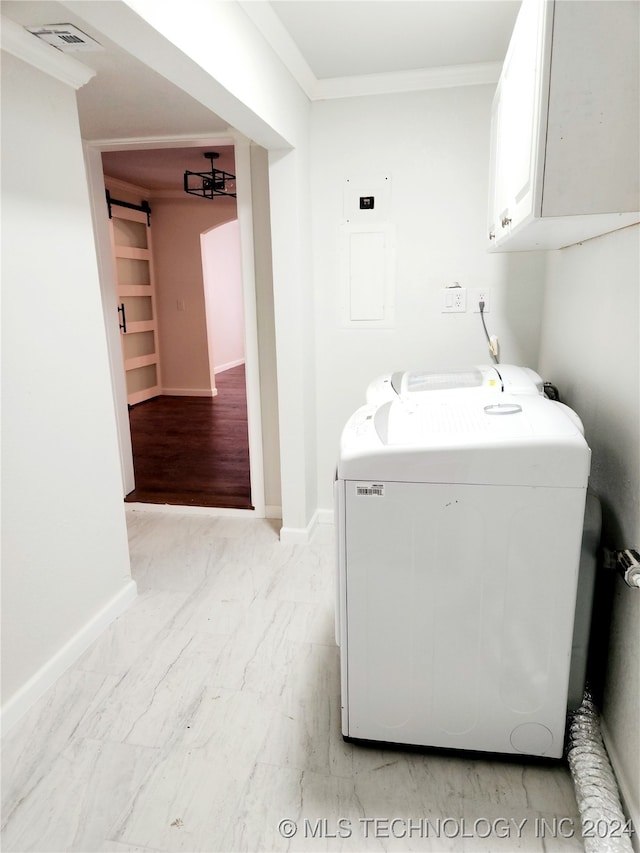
{"points": [[454, 300], [478, 295]]}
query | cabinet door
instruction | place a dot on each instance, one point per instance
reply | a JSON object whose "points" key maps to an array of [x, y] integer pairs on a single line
{"points": [[592, 164], [520, 119], [495, 193]]}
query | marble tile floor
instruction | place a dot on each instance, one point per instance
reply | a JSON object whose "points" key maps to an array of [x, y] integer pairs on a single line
{"points": [[206, 718]]}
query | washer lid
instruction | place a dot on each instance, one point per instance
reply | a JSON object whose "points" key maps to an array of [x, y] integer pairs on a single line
{"points": [[422, 385], [415, 382], [505, 440]]}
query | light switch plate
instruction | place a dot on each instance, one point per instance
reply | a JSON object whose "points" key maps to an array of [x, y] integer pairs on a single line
{"points": [[454, 300]]}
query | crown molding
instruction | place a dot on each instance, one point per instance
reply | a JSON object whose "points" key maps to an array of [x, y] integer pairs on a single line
{"points": [[124, 186], [15, 40], [230, 137], [445, 77]]}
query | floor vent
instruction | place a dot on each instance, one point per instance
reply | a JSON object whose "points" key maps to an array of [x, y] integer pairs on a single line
{"points": [[65, 37]]}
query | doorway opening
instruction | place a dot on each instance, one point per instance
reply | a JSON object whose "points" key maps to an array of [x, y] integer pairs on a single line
{"points": [[190, 442]]}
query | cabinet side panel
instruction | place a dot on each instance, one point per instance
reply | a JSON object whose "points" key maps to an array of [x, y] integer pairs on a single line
{"points": [[592, 163]]}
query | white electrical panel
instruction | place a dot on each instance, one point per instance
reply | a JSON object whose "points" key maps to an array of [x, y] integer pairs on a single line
{"points": [[367, 275], [367, 253]]}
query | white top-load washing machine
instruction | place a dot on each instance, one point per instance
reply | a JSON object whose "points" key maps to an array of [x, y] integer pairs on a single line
{"points": [[459, 535], [420, 385]]}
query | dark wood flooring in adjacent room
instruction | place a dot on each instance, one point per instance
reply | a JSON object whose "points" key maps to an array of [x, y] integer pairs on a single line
{"points": [[193, 451]]}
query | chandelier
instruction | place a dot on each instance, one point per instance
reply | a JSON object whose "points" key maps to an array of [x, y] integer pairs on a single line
{"points": [[210, 184]]}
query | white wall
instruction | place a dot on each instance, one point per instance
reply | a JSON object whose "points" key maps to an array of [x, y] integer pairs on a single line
{"points": [[242, 80], [223, 295], [65, 559], [435, 147], [590, 345], [266, 327], [295, 355]]}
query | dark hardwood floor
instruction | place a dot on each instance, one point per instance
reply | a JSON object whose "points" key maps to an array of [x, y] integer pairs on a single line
{"points": [[193, 451]]}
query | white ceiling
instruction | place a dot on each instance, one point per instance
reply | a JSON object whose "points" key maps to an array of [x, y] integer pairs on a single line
{"points": [[329, 38], [341, 38]]}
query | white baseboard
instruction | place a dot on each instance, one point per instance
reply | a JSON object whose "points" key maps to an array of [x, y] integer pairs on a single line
{"points": [[190, 392], [179, 509], [65, 657], [222, 367], [299, 535], [326, 516], [631, 806]]}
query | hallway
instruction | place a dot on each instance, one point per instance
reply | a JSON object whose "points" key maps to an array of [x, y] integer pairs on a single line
{"points": [[193, 451]]}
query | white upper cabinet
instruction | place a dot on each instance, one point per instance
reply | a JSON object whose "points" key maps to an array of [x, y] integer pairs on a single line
{"points": [[565, 125]]}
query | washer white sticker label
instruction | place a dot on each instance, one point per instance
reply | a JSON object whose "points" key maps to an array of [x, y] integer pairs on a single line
{"points": [[374, 489]]}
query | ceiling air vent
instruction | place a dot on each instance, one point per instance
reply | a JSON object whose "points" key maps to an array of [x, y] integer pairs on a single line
{"points": [[65, 37]]}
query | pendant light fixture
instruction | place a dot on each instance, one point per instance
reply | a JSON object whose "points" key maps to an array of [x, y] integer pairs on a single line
{"points": [[210, 184]]}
